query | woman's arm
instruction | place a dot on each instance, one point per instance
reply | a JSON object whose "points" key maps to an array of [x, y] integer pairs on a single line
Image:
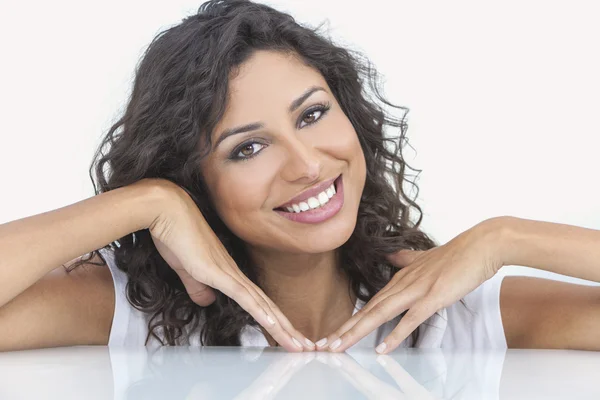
{"points": [[33, 246], [563, 249], [542, 313], [535, 312]]}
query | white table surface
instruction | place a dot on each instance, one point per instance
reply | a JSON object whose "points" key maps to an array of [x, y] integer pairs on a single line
{"points": [[98, 372]]}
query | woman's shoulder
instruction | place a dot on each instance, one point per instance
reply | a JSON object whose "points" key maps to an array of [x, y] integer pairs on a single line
{"points": [[66, 307], [130, 325], [476, 320]]}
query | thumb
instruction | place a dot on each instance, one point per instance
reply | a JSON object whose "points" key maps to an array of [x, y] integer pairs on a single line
{"points": [[201, 294], [404, 257]]}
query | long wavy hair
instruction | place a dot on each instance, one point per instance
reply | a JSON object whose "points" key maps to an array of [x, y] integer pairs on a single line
{"points": [[179, 94]]}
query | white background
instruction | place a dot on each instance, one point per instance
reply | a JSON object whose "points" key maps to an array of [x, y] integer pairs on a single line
{"points": [[504, 98]]}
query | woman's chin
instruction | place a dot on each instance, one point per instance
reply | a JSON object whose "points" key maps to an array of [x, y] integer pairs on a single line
{"points": [[323, 242]]}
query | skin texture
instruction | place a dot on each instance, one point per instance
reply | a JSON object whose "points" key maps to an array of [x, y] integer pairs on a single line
{"points": [[297, 262], [299, 270]]}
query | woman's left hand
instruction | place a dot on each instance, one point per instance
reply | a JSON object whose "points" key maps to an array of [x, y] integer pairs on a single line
{"points": [[427, 282]]}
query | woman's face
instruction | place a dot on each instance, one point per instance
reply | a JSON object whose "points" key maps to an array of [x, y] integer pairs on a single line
{"points": [[255, 175]]}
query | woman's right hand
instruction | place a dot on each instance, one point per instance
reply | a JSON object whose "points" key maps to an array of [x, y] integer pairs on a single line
{"points": [[192, 249]]}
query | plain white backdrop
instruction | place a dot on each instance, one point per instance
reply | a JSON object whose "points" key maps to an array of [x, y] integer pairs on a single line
{"points": [[503, 98]]}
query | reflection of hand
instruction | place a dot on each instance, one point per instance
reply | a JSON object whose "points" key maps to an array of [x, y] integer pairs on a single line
{"points": [[427, 282], [371, 386], [276, 376]]}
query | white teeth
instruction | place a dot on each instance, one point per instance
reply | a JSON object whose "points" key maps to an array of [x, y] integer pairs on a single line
{"points": [[329, 192], [313, 202], [323, 199]]}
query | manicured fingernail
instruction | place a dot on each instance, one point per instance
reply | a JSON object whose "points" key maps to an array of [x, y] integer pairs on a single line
{"points": [[271, 321], [309, 343], [381, 348], [322, 342], [296, 342], [335, 344]]}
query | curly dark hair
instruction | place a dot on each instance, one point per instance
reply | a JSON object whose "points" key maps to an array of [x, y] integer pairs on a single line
{"points": [[180, 93]]}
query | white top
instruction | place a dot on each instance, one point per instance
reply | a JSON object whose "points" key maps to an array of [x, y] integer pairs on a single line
{"points": [[478, 325]]}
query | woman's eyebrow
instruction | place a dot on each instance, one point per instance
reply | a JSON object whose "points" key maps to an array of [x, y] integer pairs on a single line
{"points": [[257, 125]]}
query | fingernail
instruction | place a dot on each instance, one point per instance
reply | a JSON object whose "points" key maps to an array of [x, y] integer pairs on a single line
{"points": [[271, 321], [309, 343], [322, 342], [381, 348], [335, 344], [296, 342]]}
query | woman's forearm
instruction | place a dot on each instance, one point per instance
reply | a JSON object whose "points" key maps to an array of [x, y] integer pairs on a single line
{"points": [[563, 249], [33, 246]]}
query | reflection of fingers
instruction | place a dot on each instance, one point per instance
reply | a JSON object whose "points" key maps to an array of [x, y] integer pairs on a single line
{"points": [[362, 379], [403, 379], [417, 314], [275, 377]]}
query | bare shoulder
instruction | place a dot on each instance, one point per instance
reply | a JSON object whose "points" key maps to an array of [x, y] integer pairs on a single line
{"points": [[61, 309], [543, 313]]}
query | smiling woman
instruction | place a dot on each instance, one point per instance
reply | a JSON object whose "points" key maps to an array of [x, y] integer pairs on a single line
{"points": [[249, 196]]}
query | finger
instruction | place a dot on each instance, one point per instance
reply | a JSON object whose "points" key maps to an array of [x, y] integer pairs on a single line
{"points": [[284, 321], [393, 287], [259, 310], [385, 311], [258, 294], [201, 294], [404, 257], [417, 314], [229, 268]]}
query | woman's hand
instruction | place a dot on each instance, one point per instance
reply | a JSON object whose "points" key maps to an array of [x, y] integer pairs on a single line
{"points": [[427, 282], [188, 244]]}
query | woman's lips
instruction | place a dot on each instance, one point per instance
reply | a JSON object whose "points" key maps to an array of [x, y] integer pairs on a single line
{"points": [[322, 213], [304, 196]]}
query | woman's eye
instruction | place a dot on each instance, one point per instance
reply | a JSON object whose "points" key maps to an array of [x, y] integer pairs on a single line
{"points": [[249, 150], [310, 118]]}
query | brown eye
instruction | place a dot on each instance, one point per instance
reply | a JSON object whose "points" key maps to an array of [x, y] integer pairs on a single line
{"points": [[247, 150], [311, 117]]}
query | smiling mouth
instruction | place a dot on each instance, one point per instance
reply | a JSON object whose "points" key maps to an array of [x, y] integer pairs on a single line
{"points": [[316, 201]]}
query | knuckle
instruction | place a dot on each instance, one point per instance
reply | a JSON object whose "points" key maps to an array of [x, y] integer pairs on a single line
{"points": [[410, 318]]}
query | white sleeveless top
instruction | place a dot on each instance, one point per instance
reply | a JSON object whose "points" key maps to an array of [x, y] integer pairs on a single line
{"points": [[478, 325]]}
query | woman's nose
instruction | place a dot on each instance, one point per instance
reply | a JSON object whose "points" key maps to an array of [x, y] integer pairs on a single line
{"points": [[302, 162]]}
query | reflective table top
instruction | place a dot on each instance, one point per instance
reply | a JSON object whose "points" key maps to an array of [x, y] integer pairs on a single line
{"points": [[98, 372]]}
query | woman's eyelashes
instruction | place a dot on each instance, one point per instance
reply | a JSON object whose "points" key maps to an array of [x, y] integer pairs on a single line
{"points": [[251, 148]]}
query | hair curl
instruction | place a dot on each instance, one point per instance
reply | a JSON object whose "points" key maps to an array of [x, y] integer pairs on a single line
{"points": [[179, 94]]}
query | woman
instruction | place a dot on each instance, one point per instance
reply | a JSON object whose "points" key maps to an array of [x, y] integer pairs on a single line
{"points": [[249, 196]]}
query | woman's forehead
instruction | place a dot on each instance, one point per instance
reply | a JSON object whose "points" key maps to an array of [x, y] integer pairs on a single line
{"points": [[265, 85]]}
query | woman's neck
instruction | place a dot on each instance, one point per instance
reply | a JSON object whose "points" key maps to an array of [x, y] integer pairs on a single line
{"points": [[311, 290]]}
